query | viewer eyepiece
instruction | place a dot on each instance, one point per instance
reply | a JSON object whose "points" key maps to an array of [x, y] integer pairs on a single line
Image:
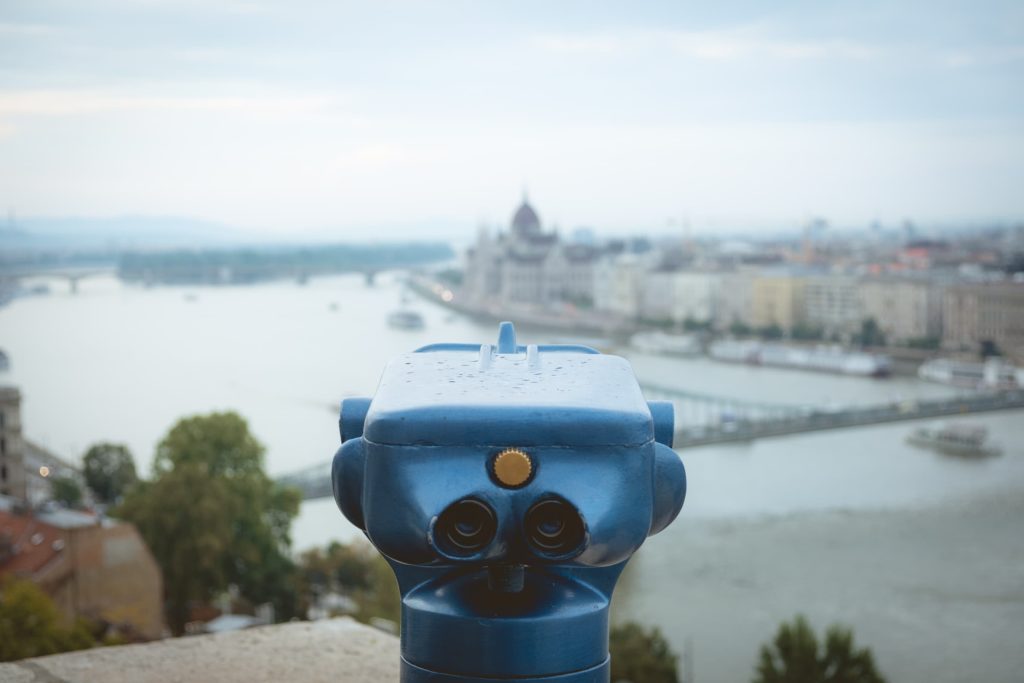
{"points": [[553, 527], [466, 527]]}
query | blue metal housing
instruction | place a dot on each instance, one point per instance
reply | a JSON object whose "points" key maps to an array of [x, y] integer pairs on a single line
{"points": [[511, 602]]}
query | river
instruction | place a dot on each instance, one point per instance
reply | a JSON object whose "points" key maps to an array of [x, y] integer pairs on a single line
{"points": [[920, 553]]}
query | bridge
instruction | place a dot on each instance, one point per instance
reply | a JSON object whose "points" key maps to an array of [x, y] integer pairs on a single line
{"points": [[73, 274], [704, 419]]}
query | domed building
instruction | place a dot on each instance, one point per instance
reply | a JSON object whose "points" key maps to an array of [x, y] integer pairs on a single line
{"points": [[525, 221], [527, 267]]}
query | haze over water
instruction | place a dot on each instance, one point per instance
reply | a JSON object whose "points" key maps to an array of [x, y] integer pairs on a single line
{"points": [[920, 553]]}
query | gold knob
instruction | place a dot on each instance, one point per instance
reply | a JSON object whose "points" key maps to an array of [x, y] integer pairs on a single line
{"points": [[512, 467]]}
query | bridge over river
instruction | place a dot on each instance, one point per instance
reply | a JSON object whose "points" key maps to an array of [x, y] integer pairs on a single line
{"points": [[703, 419]]}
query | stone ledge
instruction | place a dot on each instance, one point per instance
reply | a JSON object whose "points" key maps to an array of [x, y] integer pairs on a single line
{"points": [[330, 651]]}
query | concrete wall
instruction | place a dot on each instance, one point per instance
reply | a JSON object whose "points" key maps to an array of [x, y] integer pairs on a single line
{"points": [[328, 651]]}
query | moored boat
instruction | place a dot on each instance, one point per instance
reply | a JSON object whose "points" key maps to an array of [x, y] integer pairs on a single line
{"points": [[665, 343], [994, 373], [405, 320]]}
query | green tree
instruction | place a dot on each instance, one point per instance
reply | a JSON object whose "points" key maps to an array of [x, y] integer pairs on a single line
{"points": [[355, 570], [213, 517], [807, 332], [739, 328], [773, 331], [185, 518], [30, 625], [67, 491], [989, 349], [870, 333], [795, 657], [641, 656], [109, 470]]}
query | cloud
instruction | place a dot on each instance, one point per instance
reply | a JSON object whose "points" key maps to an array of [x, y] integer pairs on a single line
{"points": [[14, 29], [716, 45], [74, 102]]}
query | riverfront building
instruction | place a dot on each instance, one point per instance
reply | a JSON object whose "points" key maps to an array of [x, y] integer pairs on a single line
{"points": [[27, 470], [978, 313], [528, 267], [905, 309]]}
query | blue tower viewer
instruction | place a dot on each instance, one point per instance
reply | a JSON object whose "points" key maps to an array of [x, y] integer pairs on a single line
{"points": [[507, 486]]}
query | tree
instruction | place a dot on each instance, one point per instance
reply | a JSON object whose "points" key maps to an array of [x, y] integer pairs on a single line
{"points": [[212, 517], [185, 518], [807, 332], [773, 331], [30, 625], [794, 657], [641, 656], [989, 349], [67, 491], [356, 570], [109, 471], [739, 328], [870, 334]]}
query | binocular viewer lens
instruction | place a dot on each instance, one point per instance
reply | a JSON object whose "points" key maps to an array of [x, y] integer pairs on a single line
{"points": [[552, 527], [466, 527]]}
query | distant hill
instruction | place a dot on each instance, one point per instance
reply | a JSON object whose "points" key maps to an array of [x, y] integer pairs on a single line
{"points": [[117, 233]]}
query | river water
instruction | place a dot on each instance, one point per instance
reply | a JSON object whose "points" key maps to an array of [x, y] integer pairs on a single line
{"points": [[922, 554]]}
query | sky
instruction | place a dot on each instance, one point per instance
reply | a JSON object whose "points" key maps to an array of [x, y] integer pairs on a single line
{"points": [[412, 118]]}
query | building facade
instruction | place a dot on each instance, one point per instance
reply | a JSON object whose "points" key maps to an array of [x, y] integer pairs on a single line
{"points": [[777, 299], [905, 309], [12, 447], [27, 470], [679, 295], [527, 267], [832, 304], [90, 568], [978, 314]]}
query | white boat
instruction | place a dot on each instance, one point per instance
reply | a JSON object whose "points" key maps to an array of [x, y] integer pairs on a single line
{"points": [[736, 351], [965, 440], [818, 358], [666, 343], [405, 320], [994, 373]]}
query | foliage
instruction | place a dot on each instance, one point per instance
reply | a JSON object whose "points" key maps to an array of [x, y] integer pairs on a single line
{"points": [[989, 349], [807, 332], [355, 570], [30, 625], [109, 470], [451, 276], [739, 328], [213, 518], [870, 334], [641, 656], [67, 491], [773, 331], [930, 343], [794, 657], [694, 325]]}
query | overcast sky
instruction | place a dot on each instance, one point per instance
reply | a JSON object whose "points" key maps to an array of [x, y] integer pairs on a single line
{"points": [[399, 118]]}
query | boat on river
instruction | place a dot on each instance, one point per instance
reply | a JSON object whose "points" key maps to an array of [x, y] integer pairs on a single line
{"points": [[994, 373], [666, 343], [405, 320], [832, 359], [962, 440]]}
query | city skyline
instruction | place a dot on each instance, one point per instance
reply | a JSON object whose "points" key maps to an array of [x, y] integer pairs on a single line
{"points": [[409, 120]]}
